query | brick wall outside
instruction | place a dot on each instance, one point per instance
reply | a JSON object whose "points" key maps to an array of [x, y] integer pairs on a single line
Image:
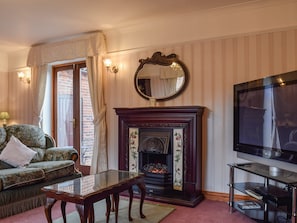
{"points": [[87, 128]]}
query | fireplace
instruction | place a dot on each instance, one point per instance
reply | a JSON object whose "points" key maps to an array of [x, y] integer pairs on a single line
{"points": [[155, 160], [165, 143]]}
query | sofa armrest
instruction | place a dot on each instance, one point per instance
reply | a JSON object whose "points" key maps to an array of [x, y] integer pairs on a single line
{"points": [[61, 153], [49, 141]]}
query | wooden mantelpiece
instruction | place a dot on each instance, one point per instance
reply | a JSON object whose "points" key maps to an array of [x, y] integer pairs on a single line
{"points": [[188, 119]]}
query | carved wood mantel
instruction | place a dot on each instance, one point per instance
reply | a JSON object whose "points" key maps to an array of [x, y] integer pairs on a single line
{"points": [[188, 119]]}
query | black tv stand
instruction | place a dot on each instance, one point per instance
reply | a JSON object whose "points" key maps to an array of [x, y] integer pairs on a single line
{"points": [[275, 171], [275, 198]]}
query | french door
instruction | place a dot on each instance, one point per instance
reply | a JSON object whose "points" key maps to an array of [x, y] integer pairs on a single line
{"points": [[73, 116]]}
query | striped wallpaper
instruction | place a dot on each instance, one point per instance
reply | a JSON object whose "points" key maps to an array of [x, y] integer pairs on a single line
{"points": [[214, 66]]}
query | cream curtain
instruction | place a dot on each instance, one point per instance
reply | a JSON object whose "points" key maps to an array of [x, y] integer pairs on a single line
{"points": [[99, 161], [38, 83], [90, 46]]}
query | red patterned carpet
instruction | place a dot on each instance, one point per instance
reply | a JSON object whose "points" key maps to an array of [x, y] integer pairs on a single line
{"points": [[206, 212]]}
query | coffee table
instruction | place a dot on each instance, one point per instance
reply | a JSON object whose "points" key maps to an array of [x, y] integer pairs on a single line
{"points": [[87, 190]]}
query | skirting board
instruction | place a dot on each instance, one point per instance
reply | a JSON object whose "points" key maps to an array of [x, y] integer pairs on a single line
{"points": [[216, 196]]}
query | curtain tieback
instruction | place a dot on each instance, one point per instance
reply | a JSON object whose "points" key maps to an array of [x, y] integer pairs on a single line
{"points": [[100, 117]]}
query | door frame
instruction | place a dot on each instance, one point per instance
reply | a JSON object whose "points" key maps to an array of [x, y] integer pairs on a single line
{"points": [[75, 66]]}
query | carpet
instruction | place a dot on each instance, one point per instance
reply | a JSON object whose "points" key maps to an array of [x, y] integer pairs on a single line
{"points": [[154, 213]]}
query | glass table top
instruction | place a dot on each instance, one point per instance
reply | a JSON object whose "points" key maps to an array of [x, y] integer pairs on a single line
{"points": [[285, 176], [87, 185]]}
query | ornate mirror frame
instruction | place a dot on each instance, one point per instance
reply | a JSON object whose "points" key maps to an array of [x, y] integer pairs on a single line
{"points": [[170, 66]]}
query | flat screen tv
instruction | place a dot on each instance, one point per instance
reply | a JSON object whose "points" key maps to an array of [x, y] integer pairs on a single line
{"points": [[265, 120]]}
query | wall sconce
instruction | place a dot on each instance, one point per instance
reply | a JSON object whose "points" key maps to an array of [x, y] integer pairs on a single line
{"points": [[24, 77], [111, 68], [4, 116]]}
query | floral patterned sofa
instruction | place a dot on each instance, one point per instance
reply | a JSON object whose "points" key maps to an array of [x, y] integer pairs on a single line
{"points": [[20, 185]]}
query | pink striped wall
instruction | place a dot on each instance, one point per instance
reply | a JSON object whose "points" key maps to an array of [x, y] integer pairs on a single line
{"points": [[214, 65]]}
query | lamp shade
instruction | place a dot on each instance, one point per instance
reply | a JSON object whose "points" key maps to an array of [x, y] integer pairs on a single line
{"points": [[107, 62], [4, 115]]}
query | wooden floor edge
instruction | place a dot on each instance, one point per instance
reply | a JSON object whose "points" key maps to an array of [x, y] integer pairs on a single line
{"points": [[217, 196]]}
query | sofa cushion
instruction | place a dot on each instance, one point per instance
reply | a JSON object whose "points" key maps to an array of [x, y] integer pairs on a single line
{"points": [[16, 153], [30, 135], [55, 169], [16, 177]]}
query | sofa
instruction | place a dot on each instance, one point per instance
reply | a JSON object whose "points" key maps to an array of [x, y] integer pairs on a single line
{"points": [[30, 160]]}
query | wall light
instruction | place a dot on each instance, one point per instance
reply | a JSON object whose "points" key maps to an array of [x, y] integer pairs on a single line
{"points": [[111, 68], [24, 77], [4, 116]]}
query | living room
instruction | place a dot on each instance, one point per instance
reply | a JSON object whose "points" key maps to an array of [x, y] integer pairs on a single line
{"points": [[220, 47]]}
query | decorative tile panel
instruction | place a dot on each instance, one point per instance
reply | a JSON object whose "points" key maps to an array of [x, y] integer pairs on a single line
{"points": [[178, 146], [133, 149]]}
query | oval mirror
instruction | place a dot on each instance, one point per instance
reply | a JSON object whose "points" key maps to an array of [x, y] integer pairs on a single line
{"points": [[161, 77]]}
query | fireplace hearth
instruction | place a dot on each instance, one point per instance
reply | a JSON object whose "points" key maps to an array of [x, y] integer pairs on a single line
{"points": [[165, 143]]}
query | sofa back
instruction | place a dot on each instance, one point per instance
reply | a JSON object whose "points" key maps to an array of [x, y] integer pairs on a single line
{"points": [[30, 135]]}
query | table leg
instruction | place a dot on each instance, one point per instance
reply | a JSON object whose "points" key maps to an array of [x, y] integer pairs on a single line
{"points": [[85, 212], [108, 207], [141, 186], [116, 198], [130, 202], [48, 209], [91, 215], [112, 204], [63, 205]]}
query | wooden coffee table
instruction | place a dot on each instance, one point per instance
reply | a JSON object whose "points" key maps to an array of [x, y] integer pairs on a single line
{"points": [[87, 190]]}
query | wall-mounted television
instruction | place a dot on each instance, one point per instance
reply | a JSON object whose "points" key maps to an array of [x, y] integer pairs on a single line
{"points": [[265, 120]]}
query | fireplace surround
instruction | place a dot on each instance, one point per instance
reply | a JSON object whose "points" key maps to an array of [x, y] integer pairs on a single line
{"points": [[166, 144]]}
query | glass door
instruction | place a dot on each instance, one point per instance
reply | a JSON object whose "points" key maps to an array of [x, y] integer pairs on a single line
{"points": [[73, 112]]}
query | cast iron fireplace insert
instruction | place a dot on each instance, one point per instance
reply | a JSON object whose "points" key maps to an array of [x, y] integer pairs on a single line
{"points": [[155, 160]]}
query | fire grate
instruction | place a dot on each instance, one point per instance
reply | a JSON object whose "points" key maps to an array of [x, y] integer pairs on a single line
{"points": [[155, 168]]}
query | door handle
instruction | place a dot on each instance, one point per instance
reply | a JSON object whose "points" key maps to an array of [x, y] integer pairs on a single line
{"points": [[73, 123]]}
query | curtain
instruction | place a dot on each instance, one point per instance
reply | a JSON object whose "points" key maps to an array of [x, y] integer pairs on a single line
{"points": [[95, 77], [38, 83], [71, 49], [163, 87], [90, 46]]}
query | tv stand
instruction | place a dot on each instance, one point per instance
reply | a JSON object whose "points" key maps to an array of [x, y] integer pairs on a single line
{"points": [[275, 198], [275, 171]]}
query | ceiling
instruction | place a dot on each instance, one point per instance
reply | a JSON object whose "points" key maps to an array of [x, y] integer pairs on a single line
{"points": [[27, 22]]}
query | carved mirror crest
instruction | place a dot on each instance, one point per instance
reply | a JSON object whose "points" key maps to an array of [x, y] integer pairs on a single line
{"points": [[161, 77]]}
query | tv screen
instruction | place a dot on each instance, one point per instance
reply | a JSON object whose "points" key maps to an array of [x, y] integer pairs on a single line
{"points": [[265, 117]]}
